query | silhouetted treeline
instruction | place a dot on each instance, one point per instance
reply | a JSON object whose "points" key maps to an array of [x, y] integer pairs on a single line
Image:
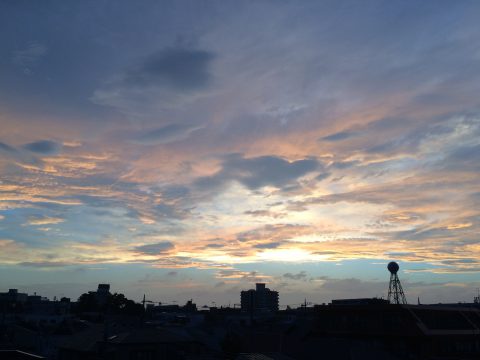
{"points": [[112, 304]]}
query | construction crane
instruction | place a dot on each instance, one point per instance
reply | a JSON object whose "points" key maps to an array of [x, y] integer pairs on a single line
{"points": [[144, 301]]}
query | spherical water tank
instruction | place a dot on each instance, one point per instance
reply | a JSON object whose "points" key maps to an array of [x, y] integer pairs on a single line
{"points": [[393, 267]]}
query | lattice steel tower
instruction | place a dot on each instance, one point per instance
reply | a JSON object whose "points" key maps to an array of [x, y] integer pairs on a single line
{"points": [[395, 291]]}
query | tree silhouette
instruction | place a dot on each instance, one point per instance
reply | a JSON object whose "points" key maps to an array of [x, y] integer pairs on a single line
{"points": [[114, 304]]}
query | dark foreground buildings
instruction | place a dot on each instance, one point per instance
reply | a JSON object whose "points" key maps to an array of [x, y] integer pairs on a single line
{"points": [[346, 329], [381, 330]]}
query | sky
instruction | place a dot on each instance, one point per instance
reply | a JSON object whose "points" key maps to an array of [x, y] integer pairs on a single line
{"points": [[188, 149]]}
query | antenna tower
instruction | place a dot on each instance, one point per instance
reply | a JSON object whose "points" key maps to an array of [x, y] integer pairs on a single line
{"points": [[395, 290]]}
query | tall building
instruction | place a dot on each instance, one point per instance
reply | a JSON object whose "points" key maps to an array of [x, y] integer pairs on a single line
{"points": [[102, 293], [261, 298], [103, 289]]}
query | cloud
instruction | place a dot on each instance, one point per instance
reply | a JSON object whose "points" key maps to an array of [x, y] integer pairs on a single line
{"points": [[164, 80], [44, 220], [344, 164], [166, 134], [7, 148], [466, 157], [214, 246], [180, 262], [155, 249], [28, 56], [21, 158], [459, 226], [220, 284], [302, 275], [274, 232], [265, 213], [44, 147], [178, 68], [174, 192], [172, 273], [239, 275], [268, 245], [258, 172], [45, 264], [322, 176], [339, 136], [344, 288]]}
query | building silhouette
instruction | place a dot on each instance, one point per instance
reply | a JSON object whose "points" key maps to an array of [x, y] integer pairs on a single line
{"points": [[359, 328], [102, 293], [13, 296], [260, 299]]}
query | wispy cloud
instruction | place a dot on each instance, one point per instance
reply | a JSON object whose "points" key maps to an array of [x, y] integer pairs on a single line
{"points": [[44, 220], [44, 147], [154, 249], [29, 56], [166, 134]]}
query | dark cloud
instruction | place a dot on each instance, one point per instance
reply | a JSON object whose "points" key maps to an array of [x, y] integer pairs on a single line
{"points": [[326, 252], [460, 261], [463, 158], [19, 155], [45, 264], [44, 147], [258, 172], [214, 246], [161, 82], [166, 134], [302, 275], [273, 233], [170, 211], [172, 273], [265, 213], [383, 148], [7, 148], [177, 261], [405, 135], [155, 249], [399, 253], [269, 245], [423, 233], [466, 153], [342, 135], [403, 194], [322, 176], [220, 284], [178, 68], [345, 164], [173, 192]]}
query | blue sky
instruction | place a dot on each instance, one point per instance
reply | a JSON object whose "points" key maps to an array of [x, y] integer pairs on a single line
{"points": [[187, 149]]}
